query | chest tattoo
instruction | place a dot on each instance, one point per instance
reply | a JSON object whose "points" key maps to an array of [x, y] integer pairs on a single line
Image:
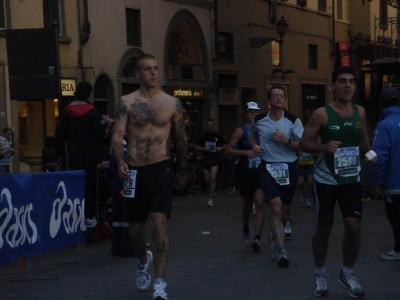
{"points": [[140, 112]]}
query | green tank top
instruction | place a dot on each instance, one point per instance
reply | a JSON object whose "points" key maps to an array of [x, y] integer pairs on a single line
{"points": [[343, 167]]}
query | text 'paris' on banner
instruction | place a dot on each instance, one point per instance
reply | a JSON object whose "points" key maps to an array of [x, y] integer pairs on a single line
{"points": [[40, 212]]}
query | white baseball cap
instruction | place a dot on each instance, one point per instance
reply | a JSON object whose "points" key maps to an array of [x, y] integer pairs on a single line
{"points": [[252, 105]]}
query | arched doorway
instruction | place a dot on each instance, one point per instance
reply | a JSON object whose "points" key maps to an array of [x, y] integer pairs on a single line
{"points": [[186, 70], [103, 95], [126, 72]]}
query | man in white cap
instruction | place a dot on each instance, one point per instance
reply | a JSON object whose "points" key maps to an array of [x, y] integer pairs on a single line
{"points": [[249, 183], [279, 133], [385, 172]]}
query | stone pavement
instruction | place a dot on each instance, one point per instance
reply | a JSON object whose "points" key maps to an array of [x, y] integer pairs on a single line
{"points": [[215, 265]]}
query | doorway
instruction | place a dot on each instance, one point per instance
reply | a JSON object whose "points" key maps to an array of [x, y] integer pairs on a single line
{"points": [[37, 119]]}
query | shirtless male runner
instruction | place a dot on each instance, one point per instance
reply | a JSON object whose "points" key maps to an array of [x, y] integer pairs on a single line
{"points": [[149, 116]]}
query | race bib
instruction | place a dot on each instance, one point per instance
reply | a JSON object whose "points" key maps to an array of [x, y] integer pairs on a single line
{"points": [[130, 184], [213, 146], [280, 172], [254, 162], [347, 161], [305, 156]]}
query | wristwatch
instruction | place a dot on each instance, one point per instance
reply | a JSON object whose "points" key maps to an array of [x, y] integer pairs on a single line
{"points": [[289, 141]]}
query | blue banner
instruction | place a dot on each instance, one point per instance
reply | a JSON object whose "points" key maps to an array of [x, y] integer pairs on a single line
{"points": [[40, 212]]}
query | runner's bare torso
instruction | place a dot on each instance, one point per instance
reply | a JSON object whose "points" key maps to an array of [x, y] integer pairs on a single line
{"points": [[148, 126]]}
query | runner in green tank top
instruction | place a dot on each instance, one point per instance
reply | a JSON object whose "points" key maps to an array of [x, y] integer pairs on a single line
{"points": [[337, 132], [343, 166]]}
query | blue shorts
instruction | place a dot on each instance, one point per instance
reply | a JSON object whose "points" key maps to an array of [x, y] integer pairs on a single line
{"points": [[305, 170], [271, 189], [154, 190]]}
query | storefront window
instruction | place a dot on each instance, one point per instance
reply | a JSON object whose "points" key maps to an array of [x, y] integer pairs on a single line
{"points": [[192, 112], [313, 97]]}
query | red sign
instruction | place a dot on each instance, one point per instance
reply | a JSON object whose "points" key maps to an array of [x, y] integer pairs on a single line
{"points": [[344, 54]]}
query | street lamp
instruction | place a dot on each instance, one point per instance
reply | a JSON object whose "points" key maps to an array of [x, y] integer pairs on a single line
{"points": [[281, 28], [360, 39]]}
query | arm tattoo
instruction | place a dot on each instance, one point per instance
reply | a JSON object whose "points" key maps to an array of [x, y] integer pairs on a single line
{"points": [[181, 143], [121, 110], [178, 106], [118, 150]]}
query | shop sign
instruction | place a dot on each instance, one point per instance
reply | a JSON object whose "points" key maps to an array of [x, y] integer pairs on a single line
{"points": [[228, 97], [311, 97], [390, 84], [188, 93], [68, 87]]}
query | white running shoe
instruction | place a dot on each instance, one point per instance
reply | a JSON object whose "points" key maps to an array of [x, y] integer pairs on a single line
{"points": [[283, 260], [302, 196], [159, 291], [143, 278], [253, 211], [308, 203], [246, 239], [392, 255], [273, 247], [91, 222], [288, 229], [321, 286], [351, 283], [210, 203]]}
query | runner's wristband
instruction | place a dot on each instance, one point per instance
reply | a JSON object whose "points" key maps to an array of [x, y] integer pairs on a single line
{"points": [[370, 155]]}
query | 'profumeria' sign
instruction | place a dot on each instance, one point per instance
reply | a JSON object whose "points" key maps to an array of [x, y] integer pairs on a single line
{"points": [[40, 212]]}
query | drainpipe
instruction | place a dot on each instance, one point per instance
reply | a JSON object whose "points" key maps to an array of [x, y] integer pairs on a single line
{"points": [[84, 33], [214, 84], [333, 29], [216, 33], [86, 23]]}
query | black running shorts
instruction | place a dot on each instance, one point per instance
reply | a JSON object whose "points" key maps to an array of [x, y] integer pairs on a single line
{"points": [[154, 190]]}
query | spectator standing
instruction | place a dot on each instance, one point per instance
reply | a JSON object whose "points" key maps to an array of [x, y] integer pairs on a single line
{"points": [[385, 173], [49, 155], [249, 183], [191, 168], [341, 132], [211, 143], [6, 150], [279, 133], [82, 127], [149, 116]]}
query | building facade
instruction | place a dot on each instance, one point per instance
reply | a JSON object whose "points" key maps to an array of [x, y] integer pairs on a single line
{"points": [[99, 41], [254, 57], [214, 55]]}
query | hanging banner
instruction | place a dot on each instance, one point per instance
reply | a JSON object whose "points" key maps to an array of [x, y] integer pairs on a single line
{"points": [[40, 212], [344, 54]]}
